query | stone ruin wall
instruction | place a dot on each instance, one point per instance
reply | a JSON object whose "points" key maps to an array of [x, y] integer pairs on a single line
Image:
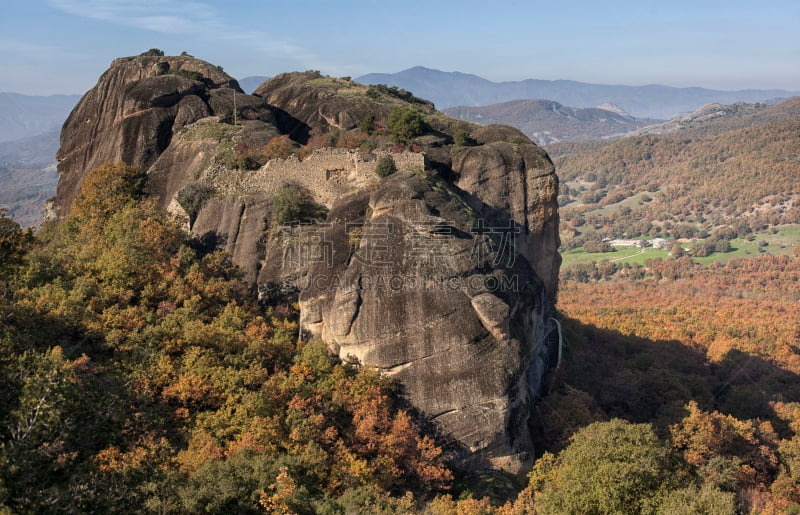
{"points": [[326, 173]]}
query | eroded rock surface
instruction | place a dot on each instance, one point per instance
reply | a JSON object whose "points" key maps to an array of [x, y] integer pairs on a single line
{"points": [[133, 114], [452, 314], [516, 180]]}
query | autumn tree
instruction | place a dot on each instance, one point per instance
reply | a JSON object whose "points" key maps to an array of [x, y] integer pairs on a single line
{"points": [[609, 467], [14, 243], [106, 189], [728, 453]]}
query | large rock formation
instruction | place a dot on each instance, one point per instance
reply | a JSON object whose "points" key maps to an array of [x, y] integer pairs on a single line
{"points": [[442, 275], [132, 114], [446, 306]]}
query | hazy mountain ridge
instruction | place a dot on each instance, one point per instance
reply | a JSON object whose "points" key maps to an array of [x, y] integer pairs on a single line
{"points": [[717, 118], [708, 120], [38, 149], [547, 122], [249, 84], [27, 115], [29, 133], [28, 175], [450, 89], [25, 190]]}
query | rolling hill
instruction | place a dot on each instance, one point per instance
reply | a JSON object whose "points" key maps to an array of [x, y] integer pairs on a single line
{"points": [[739, 169], [450, 89], [547, 122]]}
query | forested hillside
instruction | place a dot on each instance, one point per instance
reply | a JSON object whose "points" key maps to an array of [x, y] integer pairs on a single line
{"points": [[738, 171], [138, 376], [705, 355], [697, 339], [545, 121]]}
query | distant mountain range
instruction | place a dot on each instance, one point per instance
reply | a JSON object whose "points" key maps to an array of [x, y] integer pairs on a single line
{"points": [[248, 84], [28, 175], [451, 89], [30, 125], [718, 118], [24, 115], [546, 121], [29, 134]]}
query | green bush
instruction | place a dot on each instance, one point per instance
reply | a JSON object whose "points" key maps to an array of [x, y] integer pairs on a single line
{"points": [[406, 123], [386, 166], [293, 205], [463, 139], [377, 90], [187, 73], [192, 198], [153, 52], [609, 467], [242, 162], [367, 125]]}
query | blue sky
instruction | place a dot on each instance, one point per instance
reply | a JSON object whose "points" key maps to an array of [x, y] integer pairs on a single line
{"points": [[62, 46]]}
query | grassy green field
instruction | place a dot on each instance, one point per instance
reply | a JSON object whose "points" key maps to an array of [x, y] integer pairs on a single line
{"points": [[781, 242], [632, 202]]}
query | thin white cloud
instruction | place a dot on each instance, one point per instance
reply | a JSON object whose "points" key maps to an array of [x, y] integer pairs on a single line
{"points": [[179, 18], [164, 16], [26, 51]]}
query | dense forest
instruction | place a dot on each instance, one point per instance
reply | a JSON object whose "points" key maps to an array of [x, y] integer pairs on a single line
{"points": [[707, 356], [138, 375]]}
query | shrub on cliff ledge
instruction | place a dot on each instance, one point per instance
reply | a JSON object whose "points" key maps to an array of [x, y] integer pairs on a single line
{"points": [[406, 123], [386, 166], [279, 147], [192, 197], [153, 52], [294, 205], [189, 74], [463, 139]]}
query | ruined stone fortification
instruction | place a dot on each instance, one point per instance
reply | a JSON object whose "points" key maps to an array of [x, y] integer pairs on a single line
{"points": [[328, 174]]}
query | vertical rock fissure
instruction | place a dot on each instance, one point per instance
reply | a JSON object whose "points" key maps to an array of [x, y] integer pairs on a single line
{"points": [[237, 229], [356, 307], [525, 195]]}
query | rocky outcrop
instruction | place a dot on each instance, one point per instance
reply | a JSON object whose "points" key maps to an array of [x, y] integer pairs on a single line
{"points": [[134, 111], [308, 101], [454, 313], [441, 275], [516, 181]]}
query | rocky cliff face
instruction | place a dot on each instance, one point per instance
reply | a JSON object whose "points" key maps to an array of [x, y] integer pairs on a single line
{"points": [[442, 275], [132, 115], [444, 305]]}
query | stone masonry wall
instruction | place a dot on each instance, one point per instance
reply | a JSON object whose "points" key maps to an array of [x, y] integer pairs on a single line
{"points": [[326, 173]]}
